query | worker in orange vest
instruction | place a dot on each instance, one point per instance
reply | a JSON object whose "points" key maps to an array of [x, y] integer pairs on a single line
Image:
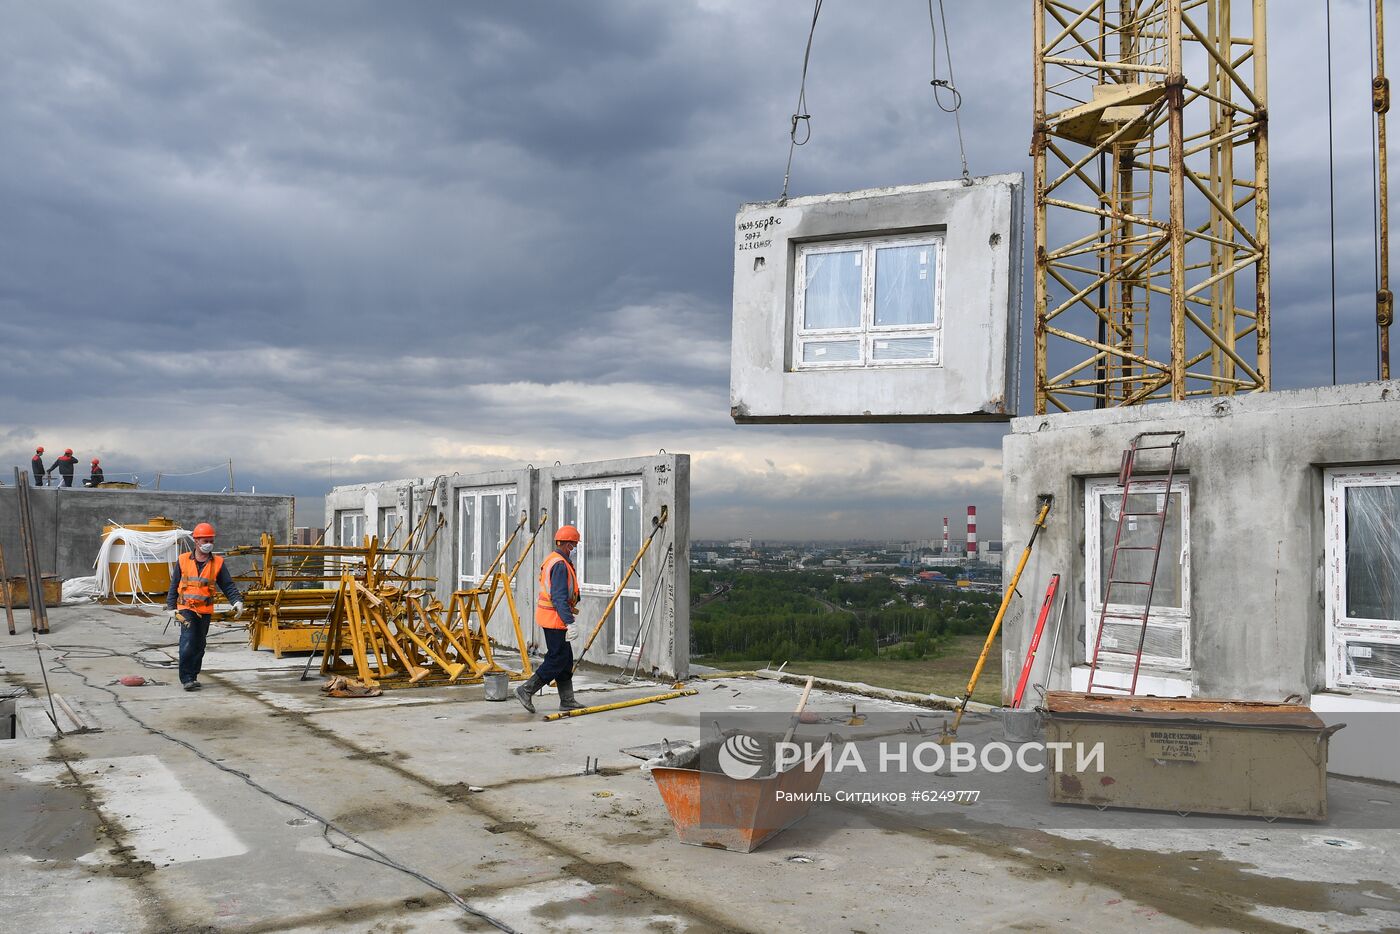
{"points": [[554, 614], [191, 600]]}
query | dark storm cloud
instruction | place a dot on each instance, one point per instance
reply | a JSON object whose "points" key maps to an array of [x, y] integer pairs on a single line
{"points": [[425, 237]]}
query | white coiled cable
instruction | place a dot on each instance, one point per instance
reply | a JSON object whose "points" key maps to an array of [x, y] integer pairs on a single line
{"points": [[140, 550]]}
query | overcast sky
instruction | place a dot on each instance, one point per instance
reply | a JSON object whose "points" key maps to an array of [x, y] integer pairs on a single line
{"points": [[345, 241]]}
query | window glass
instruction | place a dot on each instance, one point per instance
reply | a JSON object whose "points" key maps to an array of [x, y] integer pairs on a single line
{"points": [[468, 545], [352, 529], [491, 519], [831, 351], [597, 537], [628, 621], [388, 527], [831, 294], [631, 531], [1373, 552], [569, 511], [904, 348], [1134, 565], [904, 285]]}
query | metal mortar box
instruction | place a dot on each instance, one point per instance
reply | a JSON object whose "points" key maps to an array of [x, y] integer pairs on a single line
{"points": [[1189, 755], [897, 304]]}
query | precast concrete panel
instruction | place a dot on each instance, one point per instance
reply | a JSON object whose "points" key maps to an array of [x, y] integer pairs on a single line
{"points": [[662, 480], [1256, 467], [959, 363], [522, 482], [664, 572]]}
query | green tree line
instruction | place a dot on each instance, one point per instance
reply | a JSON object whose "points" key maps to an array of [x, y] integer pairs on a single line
{"points": [[813, 616]]}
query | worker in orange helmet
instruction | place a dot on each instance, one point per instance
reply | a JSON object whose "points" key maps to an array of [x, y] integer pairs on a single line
{"points": [[64, 465], [554, 613], [191, 600], [97, 476], [36, 464]]}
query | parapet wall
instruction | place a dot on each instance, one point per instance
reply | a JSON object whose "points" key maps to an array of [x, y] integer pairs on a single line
{"points": [[68, 522]]}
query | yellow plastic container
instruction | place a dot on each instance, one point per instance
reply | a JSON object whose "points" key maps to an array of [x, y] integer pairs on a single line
{"points": [[150, 575]]}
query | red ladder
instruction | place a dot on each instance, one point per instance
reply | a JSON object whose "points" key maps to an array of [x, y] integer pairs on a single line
{"points": [[1127, 481]]}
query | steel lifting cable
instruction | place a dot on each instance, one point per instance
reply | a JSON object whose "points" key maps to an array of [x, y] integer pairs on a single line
{"points": [[801, 116], [950, 84], [1331, 193]]}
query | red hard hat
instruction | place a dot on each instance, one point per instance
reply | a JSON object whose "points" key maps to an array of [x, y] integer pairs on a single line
{"points": [[566, 533], [203, 530], [94, 462], [68, 451], [39, 449]]}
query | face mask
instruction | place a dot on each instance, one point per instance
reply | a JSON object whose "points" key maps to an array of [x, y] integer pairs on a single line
{"points": [[206, 548]]}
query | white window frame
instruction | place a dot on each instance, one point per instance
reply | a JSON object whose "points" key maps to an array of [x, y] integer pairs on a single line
{"points": [[357, 536], [618, 562], [868, 332], [1096, 492], [389, 526], [355, 520], [510, 515], [1342, 629]]}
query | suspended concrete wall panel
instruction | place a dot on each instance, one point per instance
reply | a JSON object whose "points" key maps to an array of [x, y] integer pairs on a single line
{"points": [[884, 305]]}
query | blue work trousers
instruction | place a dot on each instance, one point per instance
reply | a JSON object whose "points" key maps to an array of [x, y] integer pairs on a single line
{"points": [[558, 657], [193, 635]]}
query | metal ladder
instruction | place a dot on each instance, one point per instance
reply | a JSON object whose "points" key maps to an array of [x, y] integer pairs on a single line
{"points": [[1127, 481]]}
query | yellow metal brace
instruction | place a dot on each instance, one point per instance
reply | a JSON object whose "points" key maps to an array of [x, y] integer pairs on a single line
{"points": [[952, 732]]}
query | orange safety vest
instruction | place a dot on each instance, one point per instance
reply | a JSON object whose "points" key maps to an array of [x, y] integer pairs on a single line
{"points": [[545, 614], [197, 589]]}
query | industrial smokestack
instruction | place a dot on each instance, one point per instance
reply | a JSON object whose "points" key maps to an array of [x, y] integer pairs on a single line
{"points": [[972, 533]]}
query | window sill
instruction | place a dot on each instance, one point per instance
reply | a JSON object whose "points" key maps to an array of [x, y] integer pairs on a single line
{"points": [[1358, 701], [1156, 684]]}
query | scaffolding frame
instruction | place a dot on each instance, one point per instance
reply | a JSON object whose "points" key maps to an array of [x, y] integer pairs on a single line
{"points": [[1151, 190]]}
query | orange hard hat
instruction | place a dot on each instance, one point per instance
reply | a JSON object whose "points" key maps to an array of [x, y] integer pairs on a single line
{"points": [[94, 462], [39, 449], [203, 530], [566, 533], [68, 451]]}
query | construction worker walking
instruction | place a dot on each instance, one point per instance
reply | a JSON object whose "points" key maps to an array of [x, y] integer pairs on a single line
{"points": [[36, 464], [191, 600], [554, 614], [64, 465]]}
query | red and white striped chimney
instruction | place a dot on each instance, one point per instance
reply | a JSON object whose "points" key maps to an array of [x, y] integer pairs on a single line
{"points": [[945, 535], [972, 532]]}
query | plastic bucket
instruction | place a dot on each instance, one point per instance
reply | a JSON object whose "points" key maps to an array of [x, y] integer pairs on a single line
{"points": [[497, 685]]}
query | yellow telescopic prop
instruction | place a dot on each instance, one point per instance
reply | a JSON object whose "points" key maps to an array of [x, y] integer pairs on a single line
{"points": [[601, 708], [952, 732]]}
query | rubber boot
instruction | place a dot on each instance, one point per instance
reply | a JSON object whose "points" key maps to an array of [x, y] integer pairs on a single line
{"points": [[527, 690], [566, 693]]}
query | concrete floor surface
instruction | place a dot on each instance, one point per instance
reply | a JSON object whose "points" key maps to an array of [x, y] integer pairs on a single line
{"points": [[126, 829]]}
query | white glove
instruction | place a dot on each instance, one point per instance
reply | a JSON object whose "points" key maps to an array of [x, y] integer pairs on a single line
{"points": [[571, 632], [238, 608], [177, 617]]}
